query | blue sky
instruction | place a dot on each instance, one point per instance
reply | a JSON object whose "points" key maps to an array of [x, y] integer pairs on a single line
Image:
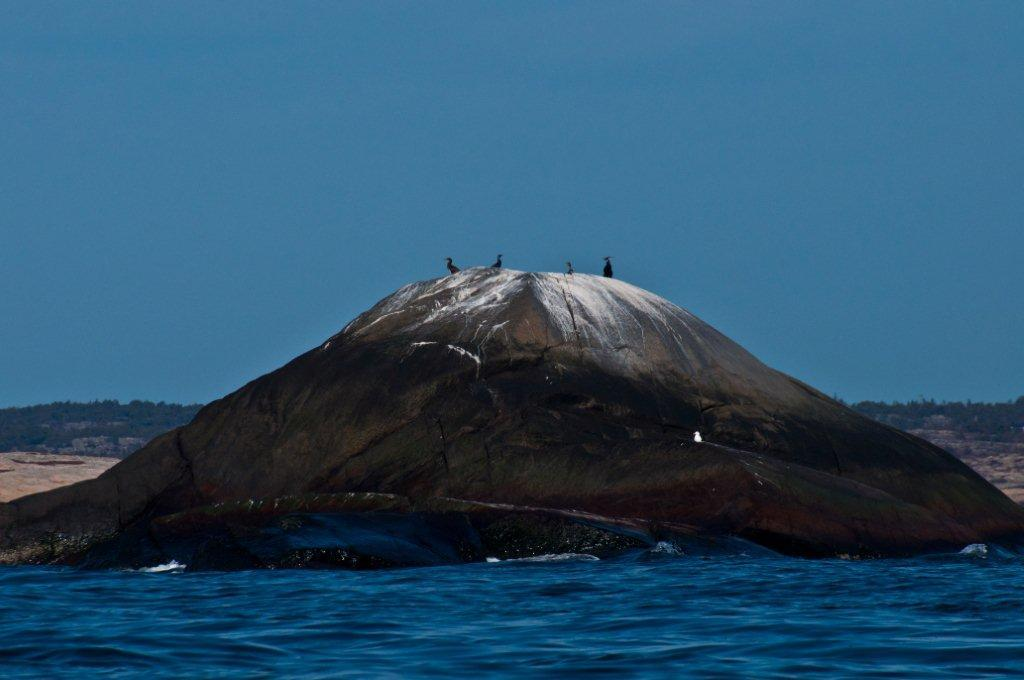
{"points": [[193, 193]]}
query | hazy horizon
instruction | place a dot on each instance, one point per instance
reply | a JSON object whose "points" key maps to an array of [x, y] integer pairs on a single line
{"points": [[194, 194]]}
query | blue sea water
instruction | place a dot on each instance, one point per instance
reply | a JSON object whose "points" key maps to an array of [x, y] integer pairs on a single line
{"points": [[652, 614]]}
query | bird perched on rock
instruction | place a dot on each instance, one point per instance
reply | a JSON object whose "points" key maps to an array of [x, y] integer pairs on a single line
{"points": [[569, 269], [497, 262], [451, 267], [608, 267]]}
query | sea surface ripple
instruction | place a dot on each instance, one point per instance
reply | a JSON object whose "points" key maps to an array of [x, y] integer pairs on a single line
{"points": [[653, 614]]}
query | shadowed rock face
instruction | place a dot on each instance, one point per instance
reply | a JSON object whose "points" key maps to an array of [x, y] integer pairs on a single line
{"points": [[549, 391]]}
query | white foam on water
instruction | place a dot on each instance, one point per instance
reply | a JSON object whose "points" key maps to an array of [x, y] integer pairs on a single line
{"points": [[666, 548], [173, 565], [975, 550], [557, 557]]}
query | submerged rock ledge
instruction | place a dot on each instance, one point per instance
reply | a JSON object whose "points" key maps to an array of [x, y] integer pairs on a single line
{"points": [[539, 400]]}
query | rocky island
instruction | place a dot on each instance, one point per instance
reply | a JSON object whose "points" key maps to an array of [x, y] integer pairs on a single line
{"points": [[498, 413]]}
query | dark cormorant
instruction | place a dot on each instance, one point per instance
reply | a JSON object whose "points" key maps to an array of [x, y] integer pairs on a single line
{"points": [[608, 267], [569, 269], [497, 263], [451, 267]]}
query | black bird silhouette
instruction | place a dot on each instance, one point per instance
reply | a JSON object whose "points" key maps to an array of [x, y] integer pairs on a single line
{"points": [[497, 262], [608, 267], [569, 269], [451, 267]]}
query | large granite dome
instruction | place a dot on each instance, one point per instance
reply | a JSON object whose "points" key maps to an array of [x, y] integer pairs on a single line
{"points": [[499, 391]]}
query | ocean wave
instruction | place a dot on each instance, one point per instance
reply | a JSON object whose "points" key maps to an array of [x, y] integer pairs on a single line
{"points": [[975, 550], [553, 557], [172, 566], [666, 548]]}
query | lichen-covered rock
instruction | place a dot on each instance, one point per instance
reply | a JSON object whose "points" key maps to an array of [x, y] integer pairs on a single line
{"points": [[572, 393]]}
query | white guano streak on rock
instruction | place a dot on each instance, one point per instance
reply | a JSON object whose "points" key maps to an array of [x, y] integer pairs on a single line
{"points": [[469, 355], [482, 346], [611, 316]]}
